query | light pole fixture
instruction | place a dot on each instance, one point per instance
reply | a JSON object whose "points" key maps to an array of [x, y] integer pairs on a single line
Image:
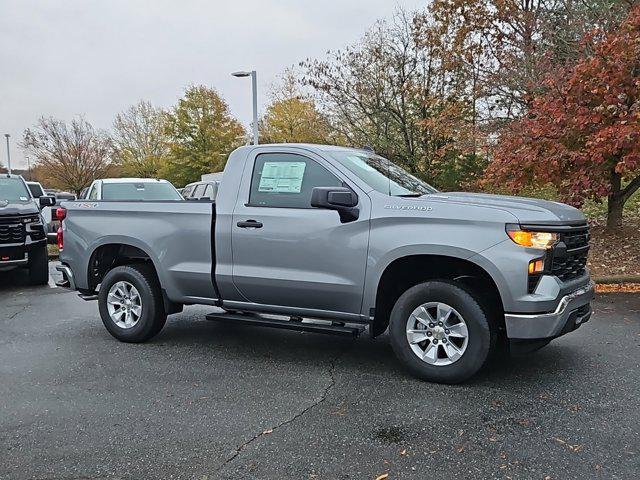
{"points": [[254, 89], [8, 153]]}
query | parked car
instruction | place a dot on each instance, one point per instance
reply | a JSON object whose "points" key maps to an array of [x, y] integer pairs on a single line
{"points": [[49, 213], [201, 190], [132, 189], [23, 243], [60, 195], [321, 232]]}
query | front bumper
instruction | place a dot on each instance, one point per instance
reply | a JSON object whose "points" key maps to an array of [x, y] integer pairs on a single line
{"points": [[573, 310], [14, 255]]}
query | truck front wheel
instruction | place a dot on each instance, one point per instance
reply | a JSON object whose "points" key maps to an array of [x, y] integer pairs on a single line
{"points": [[130, 303], [440, 332]]}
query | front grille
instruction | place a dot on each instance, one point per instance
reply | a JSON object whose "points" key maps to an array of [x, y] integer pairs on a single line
{"points": [[12, 233], [570, 253]]}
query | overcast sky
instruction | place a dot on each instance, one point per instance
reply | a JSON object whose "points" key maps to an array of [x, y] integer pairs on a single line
{"points": [[96, 57]]}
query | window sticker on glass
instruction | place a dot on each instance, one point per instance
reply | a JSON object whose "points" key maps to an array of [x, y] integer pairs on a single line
{"points": [[282, 177]]}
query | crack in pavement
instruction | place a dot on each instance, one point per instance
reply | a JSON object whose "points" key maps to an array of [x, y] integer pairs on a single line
{"points": [[21, 310], [323, 397]]}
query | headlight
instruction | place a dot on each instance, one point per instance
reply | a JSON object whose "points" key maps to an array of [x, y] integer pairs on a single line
{"points": [[541, 240], [33, 219]]}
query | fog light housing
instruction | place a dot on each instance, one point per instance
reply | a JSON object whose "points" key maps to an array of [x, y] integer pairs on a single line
{"points": [[536, 266]]}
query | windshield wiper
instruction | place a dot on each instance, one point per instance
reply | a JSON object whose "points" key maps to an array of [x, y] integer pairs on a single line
{"points": [[407, 195]]}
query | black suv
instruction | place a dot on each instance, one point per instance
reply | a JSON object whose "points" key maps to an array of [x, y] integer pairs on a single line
{"points": [[23, 242]]}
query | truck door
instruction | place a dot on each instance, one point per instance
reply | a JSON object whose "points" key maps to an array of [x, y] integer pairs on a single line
{"points": [[287, 253]]}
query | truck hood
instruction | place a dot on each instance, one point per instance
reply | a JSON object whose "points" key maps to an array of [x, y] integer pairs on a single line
{"points": [[17, 208], [526, 210]]}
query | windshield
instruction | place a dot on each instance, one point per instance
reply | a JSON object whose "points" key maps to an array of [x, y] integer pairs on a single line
{"points": [[140, 191], [13, 190], [381, 174]]}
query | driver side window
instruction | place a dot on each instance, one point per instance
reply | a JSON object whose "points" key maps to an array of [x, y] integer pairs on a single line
{"points": [[286, 180]]}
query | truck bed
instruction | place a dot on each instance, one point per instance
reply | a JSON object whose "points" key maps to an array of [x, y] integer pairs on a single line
{"points": [[177, 236]]}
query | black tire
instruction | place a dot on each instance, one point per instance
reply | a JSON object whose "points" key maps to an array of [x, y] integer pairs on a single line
{"points": [[153, 316], [39, 266], [480, 335]]}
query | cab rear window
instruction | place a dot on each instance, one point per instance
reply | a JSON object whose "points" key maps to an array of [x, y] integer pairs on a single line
{"points": [[139, 191]]}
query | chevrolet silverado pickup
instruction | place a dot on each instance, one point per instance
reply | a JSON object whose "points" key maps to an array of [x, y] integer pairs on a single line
{"points": [[337, 240], [23, 241]]}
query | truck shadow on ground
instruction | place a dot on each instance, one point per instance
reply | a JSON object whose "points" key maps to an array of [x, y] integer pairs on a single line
{"points": [[11, 279], [358, 357]]}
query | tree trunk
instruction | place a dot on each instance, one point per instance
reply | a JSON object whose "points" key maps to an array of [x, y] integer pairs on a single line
{"points": [[615, 203], [614, 212]]}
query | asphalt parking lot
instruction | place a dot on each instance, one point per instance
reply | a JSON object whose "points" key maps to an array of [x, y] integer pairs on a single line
{"points": [[207, 401]]}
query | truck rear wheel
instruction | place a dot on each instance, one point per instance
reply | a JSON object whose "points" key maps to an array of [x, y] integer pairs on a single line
{"points": [[39, 266], [440, 333], [130, 303]]}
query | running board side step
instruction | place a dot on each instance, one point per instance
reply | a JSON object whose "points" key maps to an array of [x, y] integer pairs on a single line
{"points": [[261, 321]]}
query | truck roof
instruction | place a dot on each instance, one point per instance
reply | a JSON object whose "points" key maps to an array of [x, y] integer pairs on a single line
{"points": [[311, 146]]}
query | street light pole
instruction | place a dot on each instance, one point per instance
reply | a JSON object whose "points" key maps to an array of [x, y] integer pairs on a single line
{"points": [[8, 153], [254, 91]]}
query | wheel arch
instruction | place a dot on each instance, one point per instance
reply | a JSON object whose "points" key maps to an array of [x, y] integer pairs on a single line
{"points": [[109, 254], [407, 271]]}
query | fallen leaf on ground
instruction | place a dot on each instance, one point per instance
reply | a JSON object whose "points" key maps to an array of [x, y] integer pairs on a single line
{"points": [[572, 448], [618, 287], [383, 476]]}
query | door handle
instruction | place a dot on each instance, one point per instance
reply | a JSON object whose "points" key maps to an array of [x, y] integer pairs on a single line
{"points": [[250, 224]]}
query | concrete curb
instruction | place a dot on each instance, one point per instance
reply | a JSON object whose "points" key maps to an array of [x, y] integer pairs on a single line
{"points": [[617, 279]]}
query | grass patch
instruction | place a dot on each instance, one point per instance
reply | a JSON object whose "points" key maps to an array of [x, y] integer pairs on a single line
{"points": [[53, 250]]}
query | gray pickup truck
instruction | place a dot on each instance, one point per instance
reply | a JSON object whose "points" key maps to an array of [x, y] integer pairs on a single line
{"points": [[335, 240]]}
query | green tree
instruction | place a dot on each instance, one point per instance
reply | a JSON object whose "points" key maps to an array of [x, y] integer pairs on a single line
{"points": [[139, 141], [201, 133], [292, 116]]}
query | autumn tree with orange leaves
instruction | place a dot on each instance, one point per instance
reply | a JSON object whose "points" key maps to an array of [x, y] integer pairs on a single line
{"points": [[583, 133]]}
